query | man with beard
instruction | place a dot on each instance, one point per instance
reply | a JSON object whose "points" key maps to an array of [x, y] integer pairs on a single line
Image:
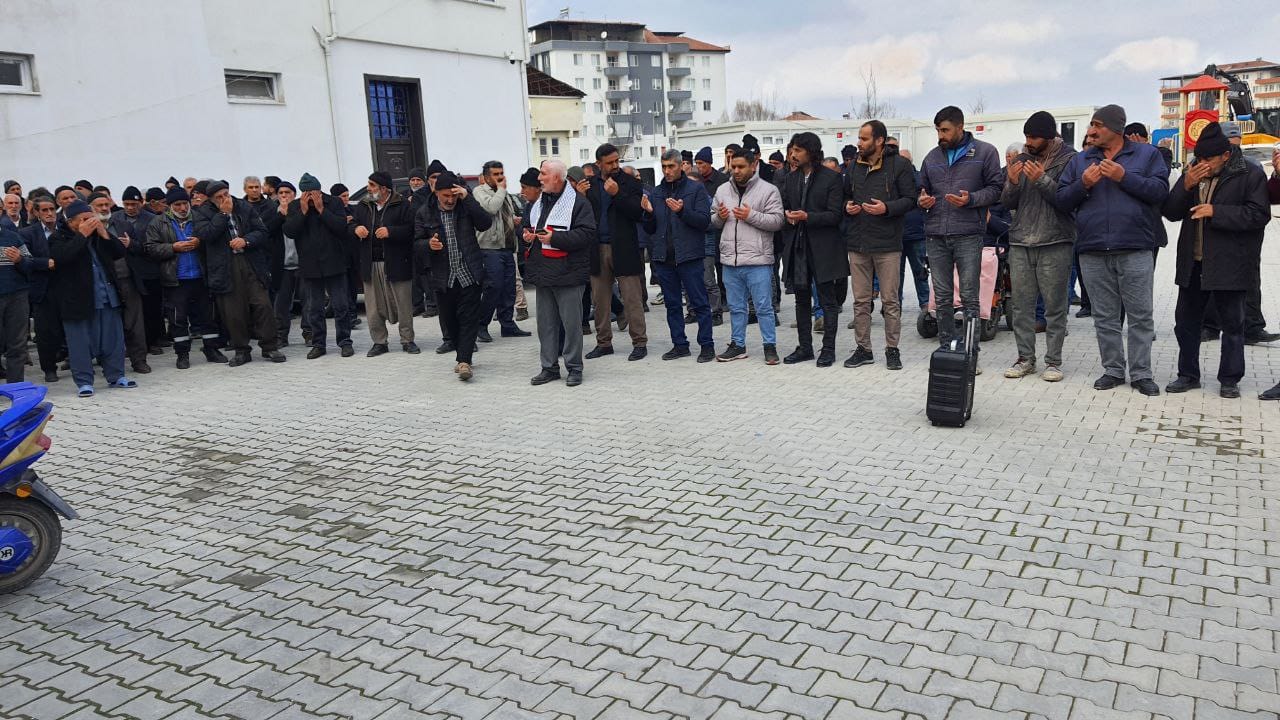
{"points": [[130, 300], [712, 270], [615, 197], [814, 254], [959, 180], [383, 225], [84, 252], [677, 219], [235, 252], [318, 224], [498, 246], [1112, 187], [1041, 245], [172, 242], [559, 234], [879, 190], [456, 263], [1221, 201], [139, 276]]}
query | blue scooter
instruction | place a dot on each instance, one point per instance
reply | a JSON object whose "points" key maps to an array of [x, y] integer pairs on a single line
{"points": [[30, 531]]}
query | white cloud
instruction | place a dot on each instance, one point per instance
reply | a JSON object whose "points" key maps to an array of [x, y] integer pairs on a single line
{"points": [[1155, 54], [989, 69], [805, 74], [1014, 33]]}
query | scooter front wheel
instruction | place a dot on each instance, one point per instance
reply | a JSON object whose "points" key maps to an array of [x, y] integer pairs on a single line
{"points": [[30, 537]]}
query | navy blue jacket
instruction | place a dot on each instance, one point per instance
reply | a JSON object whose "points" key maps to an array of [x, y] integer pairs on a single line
{"points": [[1116, 216], [13, 278], [685, 230], [38, 264], [976, 169]]}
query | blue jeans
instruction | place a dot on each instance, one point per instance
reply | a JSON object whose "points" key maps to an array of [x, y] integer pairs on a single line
{"points": [[913, 254], [675, 281], [817, 305], [499, 295], [755, 282], [963, 253]]}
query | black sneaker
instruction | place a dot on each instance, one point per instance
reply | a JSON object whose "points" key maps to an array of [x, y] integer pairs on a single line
{"points": [[861, 356], [1272, 394], [184, 363], [411, 348], [639, 353], [1182, 384], [241, 357], [214, 355], [315, 352], [892, 359], [346, 350], [1231, 392], [1146, 386], [826, 358], [574, 379], [770, 354], [1261, 337], [600, 351], [717, 319], [274, 356], [733, 352], [483, 335], [446, 347], [798, 355], [1107, 382], [679, 351], [378, 349], [708, 354]]}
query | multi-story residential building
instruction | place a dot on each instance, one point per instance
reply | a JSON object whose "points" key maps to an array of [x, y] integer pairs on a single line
{"points": [[641, 86], [1263, 77]]}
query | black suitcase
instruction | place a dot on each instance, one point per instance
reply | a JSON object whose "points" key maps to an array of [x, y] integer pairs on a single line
{"points": [[951, 377]]}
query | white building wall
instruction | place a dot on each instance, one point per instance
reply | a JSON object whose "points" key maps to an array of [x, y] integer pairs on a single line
{"points": [[132, 92]]}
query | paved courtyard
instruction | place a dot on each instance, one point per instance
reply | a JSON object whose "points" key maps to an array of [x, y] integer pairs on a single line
{"points": [[372, 539]]}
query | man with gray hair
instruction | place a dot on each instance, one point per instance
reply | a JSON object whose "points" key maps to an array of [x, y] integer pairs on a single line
{"points": [[558, 235], [676, 220], [12, 217]]}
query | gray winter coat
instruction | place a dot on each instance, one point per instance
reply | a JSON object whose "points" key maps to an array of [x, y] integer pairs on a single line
{"points": [[1038, 221], [750, 241]]}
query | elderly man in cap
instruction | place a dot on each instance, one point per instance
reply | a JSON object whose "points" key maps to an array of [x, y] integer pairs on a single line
{"points": [[172, 242], [559, 236], [383, 225], [318, 225], [456, 262], [286, 285], [199, 193], [498, 246], [84, 251], [155, 201], [139, 281], [234, 243], [530, 189], [1112, 187], [1221, 201], [1041, 245]]}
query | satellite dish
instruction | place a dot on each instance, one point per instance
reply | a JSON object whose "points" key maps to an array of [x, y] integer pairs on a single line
{"points": [[604, 34]]}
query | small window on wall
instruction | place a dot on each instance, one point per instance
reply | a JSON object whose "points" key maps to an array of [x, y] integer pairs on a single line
{"points": [[246, 86], [584, 154], [706, 106], [15, 74], [555, 146], [542, 147]]}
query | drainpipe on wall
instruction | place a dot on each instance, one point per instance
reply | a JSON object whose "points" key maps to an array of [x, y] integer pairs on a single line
{"points": [[524, 84], [326, 41]]}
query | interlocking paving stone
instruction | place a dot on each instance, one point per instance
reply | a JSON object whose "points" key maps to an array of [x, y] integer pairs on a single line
{"points": [[668, 540]]}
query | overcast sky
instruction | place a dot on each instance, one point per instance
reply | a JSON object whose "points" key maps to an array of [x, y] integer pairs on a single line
{"points": [[813, 53]]}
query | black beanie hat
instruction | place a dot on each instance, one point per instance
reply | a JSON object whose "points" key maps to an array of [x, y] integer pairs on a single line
{"points": [[447, 180], [777, 155], [686, 155], [132, 193], [383, 178], [848, 152], [418, 173], [84, 184], [338, 189], [215, 187], [530, 178], [201, 187], [436, 167], [1041, 125], [178, 194], [154, 193], [1212, 141], [172, 181], [1112, 118]]}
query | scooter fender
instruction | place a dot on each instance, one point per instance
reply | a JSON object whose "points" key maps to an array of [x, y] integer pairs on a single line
{"points": [[45, 494]]}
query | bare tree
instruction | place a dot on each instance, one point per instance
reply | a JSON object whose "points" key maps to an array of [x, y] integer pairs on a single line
{"points": [[761, 108], [873, 107], [979, 104]]}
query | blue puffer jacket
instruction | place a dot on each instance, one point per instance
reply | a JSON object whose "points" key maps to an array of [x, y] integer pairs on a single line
{"points": [[687, 229], [973, 167], [1116, 216]]}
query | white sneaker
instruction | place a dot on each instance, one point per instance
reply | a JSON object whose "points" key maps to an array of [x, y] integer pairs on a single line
{"points": [[1021, 369], [1051, 374]]}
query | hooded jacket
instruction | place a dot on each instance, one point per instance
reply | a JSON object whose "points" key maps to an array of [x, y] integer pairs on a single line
{"points": [[1116, 216], [894, 184], [1232, 247], [396, 251], [974, 167], [748, 242], [321, 237], [1038, 221], [685, 231], [213, 227]]}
